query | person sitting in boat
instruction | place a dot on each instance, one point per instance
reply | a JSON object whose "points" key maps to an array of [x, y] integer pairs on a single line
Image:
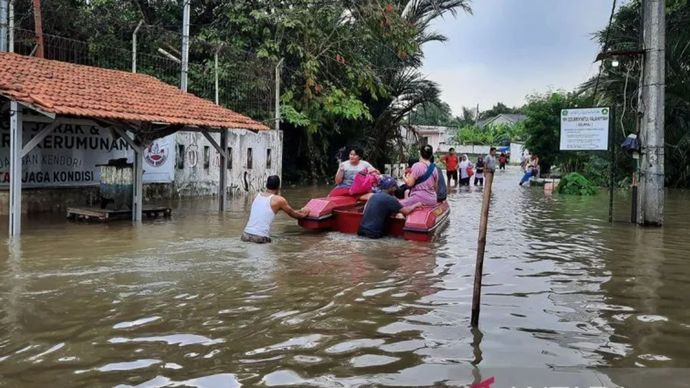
{"points": [[380, 207], [423, 180], [347, 171], [264, 209], [403, 191]]}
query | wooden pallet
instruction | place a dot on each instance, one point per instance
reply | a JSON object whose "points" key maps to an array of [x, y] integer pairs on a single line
{"points": [[105, 215]]}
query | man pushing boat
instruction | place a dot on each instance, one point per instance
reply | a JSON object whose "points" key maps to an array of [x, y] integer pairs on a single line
{"points": [[380, 207], [264, 209]]}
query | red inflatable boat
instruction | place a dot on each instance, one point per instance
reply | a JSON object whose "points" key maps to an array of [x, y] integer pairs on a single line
{"points": [[345, 213]]}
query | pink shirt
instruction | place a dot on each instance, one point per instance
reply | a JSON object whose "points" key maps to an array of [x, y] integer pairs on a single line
{"points": [[424, 192]]}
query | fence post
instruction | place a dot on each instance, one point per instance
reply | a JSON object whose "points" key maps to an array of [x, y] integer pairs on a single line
{"points": [[134, 46], [481, 246], [277, 96]]}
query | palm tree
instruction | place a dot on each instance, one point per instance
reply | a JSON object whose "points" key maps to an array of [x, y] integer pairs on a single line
{"points": [[397, 69]]}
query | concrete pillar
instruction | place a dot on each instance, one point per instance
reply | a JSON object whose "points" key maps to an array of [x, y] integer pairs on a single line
{"points": [[651, 190], [4, 8], [223, 181], [138, 184], [16, 142]]}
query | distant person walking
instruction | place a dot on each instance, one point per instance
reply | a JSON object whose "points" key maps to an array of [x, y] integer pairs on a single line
{"points": [[264, 209], [451, 160], [479, 173], [464, 166], [502, 161], [490, 161]]}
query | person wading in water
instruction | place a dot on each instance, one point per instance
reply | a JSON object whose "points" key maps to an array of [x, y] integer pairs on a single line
{"points": [[264, 209]]}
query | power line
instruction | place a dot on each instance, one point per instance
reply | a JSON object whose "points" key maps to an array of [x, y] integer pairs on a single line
{"points": [[605, 48]]}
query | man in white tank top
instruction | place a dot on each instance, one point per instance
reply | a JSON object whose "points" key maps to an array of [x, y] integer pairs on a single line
{"points": [[264, 209]]}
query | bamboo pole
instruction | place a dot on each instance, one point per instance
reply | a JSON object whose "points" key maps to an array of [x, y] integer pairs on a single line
{"points": [[481, 245]]}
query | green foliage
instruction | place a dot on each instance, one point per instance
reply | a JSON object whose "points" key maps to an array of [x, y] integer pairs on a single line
{"points": [[542, 127], [432, 113], [624, 35], [497, 110], [596, 169], [576, 184], [350, 68], [500, 134]]}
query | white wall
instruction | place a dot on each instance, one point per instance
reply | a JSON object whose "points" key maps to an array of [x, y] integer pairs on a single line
{"points": [[517, 150], [195, 179]]}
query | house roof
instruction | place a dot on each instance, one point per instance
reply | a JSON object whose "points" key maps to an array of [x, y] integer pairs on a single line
{"points": [[84, 91], [430, 129], [512, 118]]}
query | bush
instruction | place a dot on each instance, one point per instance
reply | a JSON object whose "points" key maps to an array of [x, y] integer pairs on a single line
{"points": [[576, 184]]}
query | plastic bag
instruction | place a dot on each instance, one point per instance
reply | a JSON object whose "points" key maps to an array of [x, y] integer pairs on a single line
{"points": [[363, 183]]}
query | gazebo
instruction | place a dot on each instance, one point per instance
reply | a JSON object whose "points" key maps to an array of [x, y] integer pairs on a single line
{"points": [[136, 107]]}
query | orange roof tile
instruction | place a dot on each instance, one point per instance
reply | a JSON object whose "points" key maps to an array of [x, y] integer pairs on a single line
{"points": [[76, 90]]}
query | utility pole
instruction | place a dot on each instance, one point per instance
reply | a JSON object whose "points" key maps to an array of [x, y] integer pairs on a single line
{"points": [[4, 8], [11, 24], [277, 94], [38, 26], [185, 45], [651, 190]]}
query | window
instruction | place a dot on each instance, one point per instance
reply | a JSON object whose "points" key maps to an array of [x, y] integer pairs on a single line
{"points": [[179, 162], [229, 161], [268, 158], [207, 157], [250, 162]]}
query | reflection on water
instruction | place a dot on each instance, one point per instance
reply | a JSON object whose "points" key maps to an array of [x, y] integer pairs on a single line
{"points": [[183, 302]]}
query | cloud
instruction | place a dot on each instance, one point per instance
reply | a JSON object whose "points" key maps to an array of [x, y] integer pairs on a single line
{"points": [[511, 48]]}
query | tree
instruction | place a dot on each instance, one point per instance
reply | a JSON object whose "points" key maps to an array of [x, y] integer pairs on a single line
{"points": [[543, 125], [350, 71], [432, 113], [618, 86], [497, 110]]}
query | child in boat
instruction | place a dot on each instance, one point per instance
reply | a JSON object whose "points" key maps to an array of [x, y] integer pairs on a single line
{"points": [[423, 180], [403, 191], [264, 209], [348, 170], [380, 207]]}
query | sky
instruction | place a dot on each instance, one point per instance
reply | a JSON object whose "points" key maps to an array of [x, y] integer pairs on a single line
{"points": [[509, 49]]}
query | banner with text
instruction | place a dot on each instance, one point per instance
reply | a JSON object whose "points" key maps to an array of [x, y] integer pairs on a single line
{"points": [[70, 154], [585, 129]]}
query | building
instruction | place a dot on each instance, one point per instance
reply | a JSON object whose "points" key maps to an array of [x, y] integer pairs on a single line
{"points": [[502, 119], [71, 118], [252, 157], [437, 136]]}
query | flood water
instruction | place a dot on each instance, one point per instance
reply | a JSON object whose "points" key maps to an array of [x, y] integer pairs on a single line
{"points": [[183, 302]]}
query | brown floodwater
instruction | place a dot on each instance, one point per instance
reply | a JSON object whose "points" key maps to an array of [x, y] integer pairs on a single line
{"points": [[183, 302]]}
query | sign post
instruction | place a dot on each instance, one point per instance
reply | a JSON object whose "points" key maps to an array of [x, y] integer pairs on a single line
{"points": [[590, 129]]}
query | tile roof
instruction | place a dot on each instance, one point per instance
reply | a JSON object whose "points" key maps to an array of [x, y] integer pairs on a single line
{"points": [[84, 91]]}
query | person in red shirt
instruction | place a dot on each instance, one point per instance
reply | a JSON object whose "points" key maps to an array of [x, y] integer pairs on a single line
{"points": [[451, 160], [502, 161]]}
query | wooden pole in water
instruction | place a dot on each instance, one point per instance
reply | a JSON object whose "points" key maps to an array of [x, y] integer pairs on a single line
{"points": [[481, 245]]}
